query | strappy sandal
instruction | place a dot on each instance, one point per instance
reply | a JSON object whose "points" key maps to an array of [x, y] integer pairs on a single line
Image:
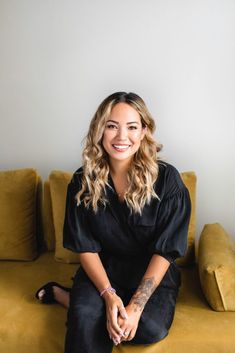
{"points": [[48, 297]]}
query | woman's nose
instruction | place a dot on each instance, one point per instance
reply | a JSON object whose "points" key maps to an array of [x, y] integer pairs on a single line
{"points": [[122, 133]]}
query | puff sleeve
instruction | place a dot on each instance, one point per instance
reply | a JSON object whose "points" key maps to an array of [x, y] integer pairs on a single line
{"points": [[170, 240], [77, 235]]}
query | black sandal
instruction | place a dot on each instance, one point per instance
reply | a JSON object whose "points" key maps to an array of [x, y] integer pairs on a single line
{"points": [[48, 297]]}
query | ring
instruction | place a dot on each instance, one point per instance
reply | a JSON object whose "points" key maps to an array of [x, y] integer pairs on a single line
{"points": [[126, 333]]}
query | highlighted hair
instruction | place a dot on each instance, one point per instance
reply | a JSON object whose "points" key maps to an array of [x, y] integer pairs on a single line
{"points": [[144, 168]]}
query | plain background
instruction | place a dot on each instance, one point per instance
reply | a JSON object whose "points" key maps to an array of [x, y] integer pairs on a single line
{"points": [[60, 59]]}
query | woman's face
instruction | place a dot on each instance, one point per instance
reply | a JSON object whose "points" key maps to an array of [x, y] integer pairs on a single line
{"points": [[123, 133]]}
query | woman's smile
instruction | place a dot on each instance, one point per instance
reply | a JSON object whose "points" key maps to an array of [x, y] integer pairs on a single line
{"points": [[121, 147]]}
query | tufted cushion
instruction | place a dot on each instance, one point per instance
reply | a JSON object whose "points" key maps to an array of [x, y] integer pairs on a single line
{"points": [[18, 214], [216, 261]]}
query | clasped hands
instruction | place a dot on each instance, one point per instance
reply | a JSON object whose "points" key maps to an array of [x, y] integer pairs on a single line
{"points": [[122, 322]]}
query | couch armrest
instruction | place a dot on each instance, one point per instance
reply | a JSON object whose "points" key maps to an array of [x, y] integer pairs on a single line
{"points": [[216, 261]]}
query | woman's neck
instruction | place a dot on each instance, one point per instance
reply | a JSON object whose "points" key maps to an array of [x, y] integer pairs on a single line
{"points": [[119, 167]]}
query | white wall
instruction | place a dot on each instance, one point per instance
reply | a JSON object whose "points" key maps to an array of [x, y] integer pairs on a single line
{"points": [[59, 59]]}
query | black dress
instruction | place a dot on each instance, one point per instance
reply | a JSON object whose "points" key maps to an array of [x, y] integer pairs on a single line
{"points": [[125, 242]]}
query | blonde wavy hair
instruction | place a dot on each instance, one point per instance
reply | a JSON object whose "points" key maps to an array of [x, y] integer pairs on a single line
{"points": [[144, 169]]}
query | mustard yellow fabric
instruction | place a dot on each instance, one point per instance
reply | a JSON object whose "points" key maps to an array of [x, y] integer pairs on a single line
{"points": [[48, 225], [18, 214], [54, 202], [58, 187], [216, 260], [190, 179], [39, 218], [28, 326]]}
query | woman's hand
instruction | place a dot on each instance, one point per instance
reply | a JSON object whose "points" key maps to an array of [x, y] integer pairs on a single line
{"points": [[129, 326], [114, 309]]}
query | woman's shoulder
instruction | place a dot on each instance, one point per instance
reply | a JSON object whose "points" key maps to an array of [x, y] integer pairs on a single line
{"points": [[78, 173], [169, 180], [76, 180]]}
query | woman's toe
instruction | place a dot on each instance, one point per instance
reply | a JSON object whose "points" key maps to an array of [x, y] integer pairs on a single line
{"points": [[41, 294]]}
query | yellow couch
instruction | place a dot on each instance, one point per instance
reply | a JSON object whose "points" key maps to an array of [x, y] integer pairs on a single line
{"points": [[204, 320]]}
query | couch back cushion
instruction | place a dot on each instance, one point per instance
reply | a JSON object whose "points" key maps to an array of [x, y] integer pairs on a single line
{"points": [[58, 190], [48, 224], [18, 214], [216, 254], [54, 202], [189, 179]]}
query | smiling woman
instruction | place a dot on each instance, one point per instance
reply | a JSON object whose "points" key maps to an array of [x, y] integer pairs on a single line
{"points": [[127, 215]]}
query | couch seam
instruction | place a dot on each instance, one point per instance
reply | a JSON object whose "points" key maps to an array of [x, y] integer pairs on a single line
{"points": [[219, 289]]}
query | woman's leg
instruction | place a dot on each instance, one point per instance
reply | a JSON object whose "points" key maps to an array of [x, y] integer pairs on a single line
{"points": [[156, 318], [86, 324]]}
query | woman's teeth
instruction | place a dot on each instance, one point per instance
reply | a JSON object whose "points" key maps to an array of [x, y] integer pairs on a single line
{"points": [[121, 147]]}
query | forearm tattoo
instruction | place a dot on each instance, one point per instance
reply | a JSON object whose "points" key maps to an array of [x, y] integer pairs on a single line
{"points": [[143, 293]]}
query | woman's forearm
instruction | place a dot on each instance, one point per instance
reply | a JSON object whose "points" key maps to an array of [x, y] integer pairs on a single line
{"points": [[154, 274], [93, 267]]}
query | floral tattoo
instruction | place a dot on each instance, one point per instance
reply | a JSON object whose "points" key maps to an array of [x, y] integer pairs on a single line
{"points": [[143, 293]]}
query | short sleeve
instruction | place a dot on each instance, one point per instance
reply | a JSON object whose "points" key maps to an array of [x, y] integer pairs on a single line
{"points": [[77, 235], [171, 236]]}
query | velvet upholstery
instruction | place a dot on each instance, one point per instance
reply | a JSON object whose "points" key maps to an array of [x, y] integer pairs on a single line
{"points": [[189, 179], [58, 187], [28, 326], [216, 258], [48, 225], [18, 214]]}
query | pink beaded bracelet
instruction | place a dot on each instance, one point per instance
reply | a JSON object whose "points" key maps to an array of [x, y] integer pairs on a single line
{"points": [[109, 289]]}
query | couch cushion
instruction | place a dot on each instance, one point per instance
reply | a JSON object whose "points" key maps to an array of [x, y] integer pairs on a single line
{"points": [[48, 225], [189, 179], [216, 260], [18, 212], [26, 325], [58, 186]]}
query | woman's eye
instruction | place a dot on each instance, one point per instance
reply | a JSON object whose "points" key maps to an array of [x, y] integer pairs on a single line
{"points": [[133, 127], [111, 126]]}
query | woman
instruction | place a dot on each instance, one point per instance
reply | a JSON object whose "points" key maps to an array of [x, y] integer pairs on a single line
{"points": [[127, 214]]}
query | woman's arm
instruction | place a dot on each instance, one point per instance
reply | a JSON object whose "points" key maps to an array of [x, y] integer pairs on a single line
{"points": [[155, 272], [93, 267]]}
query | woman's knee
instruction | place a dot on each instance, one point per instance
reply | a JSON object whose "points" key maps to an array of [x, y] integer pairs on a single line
{"points": [[150, 333]]}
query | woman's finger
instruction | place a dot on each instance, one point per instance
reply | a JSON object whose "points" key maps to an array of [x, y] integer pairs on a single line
{"points": [[113, 321], [112, 334], [123, 312], [131, 335]]}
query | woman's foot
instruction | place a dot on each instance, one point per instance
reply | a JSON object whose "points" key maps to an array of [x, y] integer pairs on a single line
{"points": [[53, 292]]}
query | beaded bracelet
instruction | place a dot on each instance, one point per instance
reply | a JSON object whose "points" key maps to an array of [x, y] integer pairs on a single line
{"points": [[109, 289]]}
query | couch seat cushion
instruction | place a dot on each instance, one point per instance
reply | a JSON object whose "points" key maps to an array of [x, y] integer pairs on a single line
{"points": [[26, 325]]}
